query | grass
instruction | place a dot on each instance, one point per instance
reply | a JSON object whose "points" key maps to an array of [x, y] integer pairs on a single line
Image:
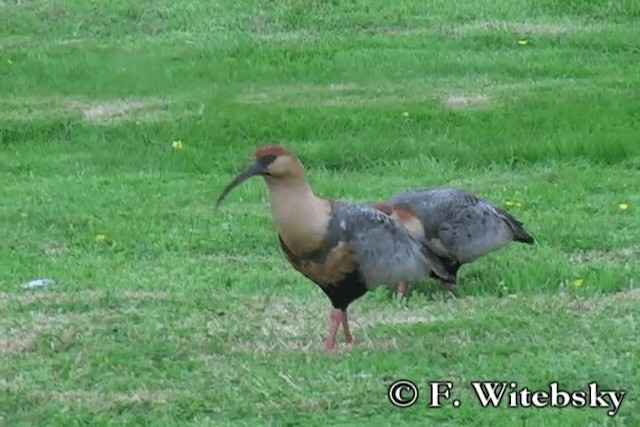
{"points": [[176, 314]]}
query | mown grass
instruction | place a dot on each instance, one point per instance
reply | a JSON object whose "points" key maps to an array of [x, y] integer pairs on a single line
{"points": [[183, 315]]}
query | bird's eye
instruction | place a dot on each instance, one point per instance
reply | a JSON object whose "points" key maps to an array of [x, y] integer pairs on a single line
{"points": [[268, 159]]}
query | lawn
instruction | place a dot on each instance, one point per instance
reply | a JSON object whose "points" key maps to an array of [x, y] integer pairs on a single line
{"points": [[121, 122]]}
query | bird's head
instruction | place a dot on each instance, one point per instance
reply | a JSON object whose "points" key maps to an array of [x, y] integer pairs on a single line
{"points": [[274, 163]]}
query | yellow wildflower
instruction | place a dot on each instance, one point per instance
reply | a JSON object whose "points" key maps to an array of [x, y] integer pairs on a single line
{"points": [[623, 206], [523, 42], [100, 238], [577, 283], [513, 203], [504, 286], [177, 144]]}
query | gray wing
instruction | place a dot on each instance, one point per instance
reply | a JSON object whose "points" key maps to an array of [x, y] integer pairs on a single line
{"points": [[435, 206], [385, 252], [463, 226]]}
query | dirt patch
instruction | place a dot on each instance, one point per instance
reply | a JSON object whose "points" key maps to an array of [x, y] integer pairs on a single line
{"points": [[461, 101]]}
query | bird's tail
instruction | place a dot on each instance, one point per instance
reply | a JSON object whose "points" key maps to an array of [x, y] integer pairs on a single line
{"points": [[517, 227]]}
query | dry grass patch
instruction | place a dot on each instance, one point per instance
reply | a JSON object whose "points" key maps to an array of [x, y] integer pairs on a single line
{"points": [[582, 306], [363, 341], [295, 94], [286, 36], [460, 100], [102, 400], [335, 94], [223, 258], [53, 248], [50, 296], [599, 256], [17, 342], [20, 335], [302, 326], [395, 31], [23, 338], [523, 28], [22, 42], [451, 93], [104, 112], [112, 111]]}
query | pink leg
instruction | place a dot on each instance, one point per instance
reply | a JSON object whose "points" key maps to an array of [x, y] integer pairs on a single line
{"points": [[345, 326], [335, 319], [403, 288]]}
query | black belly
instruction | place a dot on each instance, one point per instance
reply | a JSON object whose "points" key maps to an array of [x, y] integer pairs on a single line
{"points": [[346, 291]]}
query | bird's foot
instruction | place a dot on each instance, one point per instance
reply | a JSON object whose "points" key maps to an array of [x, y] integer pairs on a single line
{"points": [[348, 337], [450, 288], [350, 340], [336, 317], [330, 348]]}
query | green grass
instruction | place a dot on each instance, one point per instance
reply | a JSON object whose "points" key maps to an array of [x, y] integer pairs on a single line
{"points": [[186, 316]]}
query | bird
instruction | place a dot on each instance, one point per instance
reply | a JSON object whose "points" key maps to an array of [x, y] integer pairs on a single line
{"points": [[460, 226], [345, 248]]}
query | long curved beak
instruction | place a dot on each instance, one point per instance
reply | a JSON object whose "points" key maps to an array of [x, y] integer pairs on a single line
{"points": [[253, 170]]}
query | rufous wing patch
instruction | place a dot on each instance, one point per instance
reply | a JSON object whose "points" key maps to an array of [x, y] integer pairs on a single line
{"points": [[407, 217], [403, 214], [384, 207]]}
